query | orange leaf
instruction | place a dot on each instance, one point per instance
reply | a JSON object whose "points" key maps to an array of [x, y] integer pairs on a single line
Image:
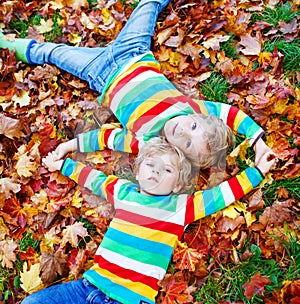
{"points": [[188, 257]]}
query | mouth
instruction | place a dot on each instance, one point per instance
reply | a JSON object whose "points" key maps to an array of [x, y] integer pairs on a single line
{"points": [[153, 179]]}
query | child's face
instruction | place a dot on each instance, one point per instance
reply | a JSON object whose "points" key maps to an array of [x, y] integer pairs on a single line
{"points": [[187, 134], [159, 175]]}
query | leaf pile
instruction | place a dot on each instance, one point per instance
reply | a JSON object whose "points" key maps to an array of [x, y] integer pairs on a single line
{"points": [[244, 53]]}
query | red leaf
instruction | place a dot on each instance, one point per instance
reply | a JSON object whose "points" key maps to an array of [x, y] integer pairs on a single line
{"points": [[256, 285]]}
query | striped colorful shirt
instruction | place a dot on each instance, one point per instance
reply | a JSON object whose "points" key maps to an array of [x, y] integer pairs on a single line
{"points": [[143, 99], [138, 245]]}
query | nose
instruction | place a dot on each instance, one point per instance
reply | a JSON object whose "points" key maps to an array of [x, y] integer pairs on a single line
{"points": [[156, 171], [182, 132]]}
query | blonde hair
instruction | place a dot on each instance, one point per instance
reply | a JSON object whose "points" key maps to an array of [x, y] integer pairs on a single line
{"points": [[220, 139], [158, 146]]}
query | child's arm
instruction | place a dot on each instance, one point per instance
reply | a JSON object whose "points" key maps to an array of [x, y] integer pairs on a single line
{"points": [[207, 202]]}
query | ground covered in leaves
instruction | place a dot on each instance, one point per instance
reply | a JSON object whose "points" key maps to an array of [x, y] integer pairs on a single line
{"points": [[245, 53]]}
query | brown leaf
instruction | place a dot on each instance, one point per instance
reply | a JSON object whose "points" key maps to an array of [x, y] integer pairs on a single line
{"points": [[52, 265]]}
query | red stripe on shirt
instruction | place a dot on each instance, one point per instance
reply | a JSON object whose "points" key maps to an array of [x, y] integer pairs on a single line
{"points": [[83, 175], [236, 188], [129, 77], [106, 136], [126, 273], [231, 117], [149, 222], [110, 189], [190, 210]]}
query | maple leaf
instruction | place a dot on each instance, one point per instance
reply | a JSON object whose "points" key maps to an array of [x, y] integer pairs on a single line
{"points": [[52, 265], [50, 239], [175, 293], [71, 234], [7, 255], [7, 186], [45, 26], [188, 257], [30, 279], [256, 285], [10, 127]]}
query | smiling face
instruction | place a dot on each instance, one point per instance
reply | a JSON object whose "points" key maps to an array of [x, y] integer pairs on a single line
{"points": [[159, 175], [187, 134]]}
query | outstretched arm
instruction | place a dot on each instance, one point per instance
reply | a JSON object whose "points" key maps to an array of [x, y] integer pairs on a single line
{"points": [[207, 202]]}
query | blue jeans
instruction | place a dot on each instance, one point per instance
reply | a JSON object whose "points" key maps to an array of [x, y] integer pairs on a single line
{"points": [[96, 65], [74, 292]]}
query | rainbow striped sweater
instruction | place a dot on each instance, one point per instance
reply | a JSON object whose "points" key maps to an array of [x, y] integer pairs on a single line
{"points": [[143, 99], [137, 247]]}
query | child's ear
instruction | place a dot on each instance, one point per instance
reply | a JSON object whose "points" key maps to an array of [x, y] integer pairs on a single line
{"points": [[177, 188]]}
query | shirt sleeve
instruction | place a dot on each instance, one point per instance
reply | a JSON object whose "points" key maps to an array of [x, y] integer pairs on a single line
{"points": [[234, 118], [206, 202], [111, 137], [94, 180]]}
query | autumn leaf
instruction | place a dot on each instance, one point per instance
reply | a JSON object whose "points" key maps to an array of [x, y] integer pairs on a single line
{"points": [[187, 257], [7, 254], [52, 265], [45, 26], [256, 285], [30, 279], [175, 293], [8, 186], [10, 127], [76, 261], [249, 45], [72, 233]]}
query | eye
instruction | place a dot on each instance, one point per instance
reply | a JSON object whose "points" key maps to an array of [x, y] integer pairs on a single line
{"points": [[188, 143], [149, 164], [194, 126], [168, 170]]}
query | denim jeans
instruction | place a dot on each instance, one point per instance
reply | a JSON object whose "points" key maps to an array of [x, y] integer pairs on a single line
{"points": [[95, 65], [73, 292]]}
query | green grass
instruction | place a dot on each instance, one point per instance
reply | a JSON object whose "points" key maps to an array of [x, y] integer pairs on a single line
{"points": [[290, 50], [281, 12], [215, 88], [225, 283], [292, 185], [229, 47]]}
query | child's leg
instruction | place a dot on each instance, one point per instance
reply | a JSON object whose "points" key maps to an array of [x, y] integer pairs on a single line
{"points": [[76, 292], [95, 65]]}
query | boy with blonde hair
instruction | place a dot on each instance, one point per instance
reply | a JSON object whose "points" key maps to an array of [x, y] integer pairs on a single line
{"points": [[150, 217]]}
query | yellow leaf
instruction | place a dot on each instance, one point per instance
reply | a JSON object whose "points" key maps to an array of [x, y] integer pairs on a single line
{"points": [[240, 150], [95, 158], [106, 16], [175, 58], [74, 38], [23, 99], [86, 22], [30, 279], [77, 199], [45, 27]]}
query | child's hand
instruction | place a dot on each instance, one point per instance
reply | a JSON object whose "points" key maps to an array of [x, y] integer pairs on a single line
{"points": [[261, 149], [266, 162], [66, 147], [52, 162]]}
